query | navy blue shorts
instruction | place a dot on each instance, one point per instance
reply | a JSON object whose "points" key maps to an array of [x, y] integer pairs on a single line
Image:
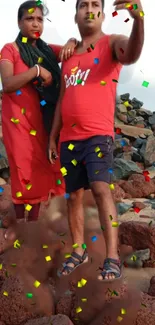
{"points": [[89, 161]]}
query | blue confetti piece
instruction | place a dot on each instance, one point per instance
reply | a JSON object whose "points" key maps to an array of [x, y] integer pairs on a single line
{"points": [[123, 143], [18, 92], [110, 170], [96, 60], [66, 195], [1, 189], [94, 238], [43, 102]]}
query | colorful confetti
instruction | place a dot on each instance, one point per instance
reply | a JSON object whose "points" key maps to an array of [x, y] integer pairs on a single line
{"points": [[145, 84]]}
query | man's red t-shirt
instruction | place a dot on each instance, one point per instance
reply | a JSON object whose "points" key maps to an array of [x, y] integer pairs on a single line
{"points": [[88, 107]]}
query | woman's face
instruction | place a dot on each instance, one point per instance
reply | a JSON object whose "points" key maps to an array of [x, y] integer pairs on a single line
{"points": [[31, 24]]}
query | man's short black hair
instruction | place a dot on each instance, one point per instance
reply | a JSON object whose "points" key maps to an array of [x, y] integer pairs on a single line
{"points": [[77, 3]]}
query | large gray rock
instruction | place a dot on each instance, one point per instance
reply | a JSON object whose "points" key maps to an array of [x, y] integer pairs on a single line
{"points": [[149, 155], [123, 168], [152, 119], [121, 109], [3, 156]]}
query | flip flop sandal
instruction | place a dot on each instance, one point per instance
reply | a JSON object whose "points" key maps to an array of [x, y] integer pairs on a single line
{"points": [[71, 259], [111, 266]]}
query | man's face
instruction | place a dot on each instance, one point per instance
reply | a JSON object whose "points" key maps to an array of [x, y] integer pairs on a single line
{"points": [[88, 17]]}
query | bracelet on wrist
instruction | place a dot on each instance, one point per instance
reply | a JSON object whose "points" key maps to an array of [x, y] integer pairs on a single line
{"points": [[38, 70]]}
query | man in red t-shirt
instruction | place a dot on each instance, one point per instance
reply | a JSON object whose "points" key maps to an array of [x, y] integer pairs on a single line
{"points": [[84, 118]]}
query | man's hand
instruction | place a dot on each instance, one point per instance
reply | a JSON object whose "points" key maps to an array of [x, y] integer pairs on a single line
{"points": [[68, 50], [130, 6], [52, 151]]}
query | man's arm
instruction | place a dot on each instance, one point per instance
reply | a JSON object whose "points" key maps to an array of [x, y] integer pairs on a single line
{"points": [[128, 50]]}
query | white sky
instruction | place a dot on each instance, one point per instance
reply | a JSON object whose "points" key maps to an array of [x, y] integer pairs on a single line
{"points": [[62, 27]]}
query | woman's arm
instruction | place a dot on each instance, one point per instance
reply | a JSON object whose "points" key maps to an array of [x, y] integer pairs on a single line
{"points": [[10, 81], [13, 83]]}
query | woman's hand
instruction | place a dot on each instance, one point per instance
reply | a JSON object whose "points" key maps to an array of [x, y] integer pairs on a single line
{"points": [[68, 49], [52, 150], [46, 76]]}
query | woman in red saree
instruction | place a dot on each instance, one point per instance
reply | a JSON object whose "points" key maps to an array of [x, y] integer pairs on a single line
{"points": [[25, 136]]}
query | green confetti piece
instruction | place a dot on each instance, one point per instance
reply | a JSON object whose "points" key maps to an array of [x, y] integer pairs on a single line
{"points": [[73, 125], [13, 265], [84, 246], [114, 80], [29, 295], [58, 182], [110, 217], [143, 305], [103, 228], [135, 6], [98, 15], [79, 81], [6, 274], [92, 47], [145, 83]]}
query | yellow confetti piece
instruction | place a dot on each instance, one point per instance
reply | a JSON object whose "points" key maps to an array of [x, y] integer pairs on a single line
{"points": [[71, 146], [84, 299], [75, 245], [115, 224], [79, 284], [134, 258], [128, 5], [14, 120], [23, 111], [16, 244], [103, 83], [28, 186], [97, 149], [100, 155], [45, 246], [28, 207], [63, 171], [112, 187], [33, 132], [31, 10], [123, 311], [126, 104], [78, 310], [119, 319], [36, 284], [48, 258], [91, 15], [18, 194], [67, 255], [74, 70], [24, 39], [141, 13], [83, 282], [74, 162], [5, 293], [40, 60], [1, 266], [97, 172]]}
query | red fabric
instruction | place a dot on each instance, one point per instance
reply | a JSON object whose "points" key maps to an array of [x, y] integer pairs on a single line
{"points": [[27, 153], [56, 49], [88, 108]]}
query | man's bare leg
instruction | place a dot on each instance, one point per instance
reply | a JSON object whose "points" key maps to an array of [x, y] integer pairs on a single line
{"points": [[107, 209], [76, 222]]}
